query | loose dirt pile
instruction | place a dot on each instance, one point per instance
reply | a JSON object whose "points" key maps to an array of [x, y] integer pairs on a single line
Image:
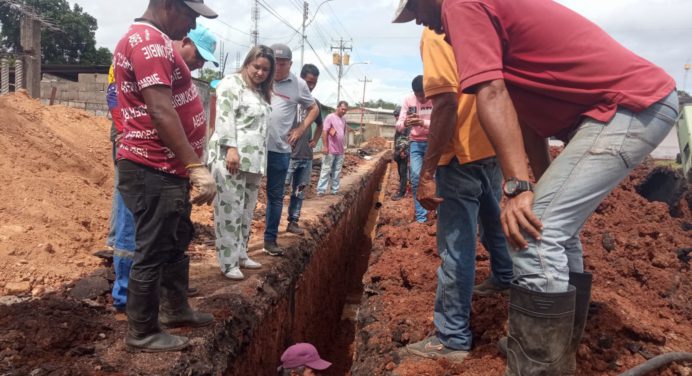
{"points": [[640, 308], [55, 199]]}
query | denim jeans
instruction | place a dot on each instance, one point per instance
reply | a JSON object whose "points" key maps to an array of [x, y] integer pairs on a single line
{"points": [[277, 167], [402, 169], [331, 169], [471, 194], [110, 240], [160, 205], [124, 253], [597, 157], [417, 150], [299, 175]]}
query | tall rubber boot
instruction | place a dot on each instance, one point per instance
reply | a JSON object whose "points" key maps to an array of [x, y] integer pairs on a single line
{"points": [[540, 332], [582, 282], [143, 332], [175, 309]]}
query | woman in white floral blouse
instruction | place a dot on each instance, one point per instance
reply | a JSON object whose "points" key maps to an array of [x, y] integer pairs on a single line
{"points": [[237, 156]]}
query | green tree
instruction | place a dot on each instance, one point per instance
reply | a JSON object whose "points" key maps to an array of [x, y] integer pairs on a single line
{"points": [[74, 44], [209, 74], [380, 103]]}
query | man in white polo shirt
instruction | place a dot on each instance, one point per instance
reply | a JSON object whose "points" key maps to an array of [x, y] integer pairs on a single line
{"points": [[289, 92]]}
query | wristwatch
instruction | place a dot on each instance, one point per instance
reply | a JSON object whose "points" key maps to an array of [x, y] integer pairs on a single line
{"points": [[513, 187]]}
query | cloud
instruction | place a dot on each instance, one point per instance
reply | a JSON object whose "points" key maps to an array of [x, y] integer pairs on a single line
{"points": [[658, 30]]}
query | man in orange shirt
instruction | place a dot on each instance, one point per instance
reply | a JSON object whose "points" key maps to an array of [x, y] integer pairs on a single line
{"points": [[469, 183]]}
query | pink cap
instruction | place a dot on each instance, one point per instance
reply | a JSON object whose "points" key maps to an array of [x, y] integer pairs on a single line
{"points": [[303, 354]]}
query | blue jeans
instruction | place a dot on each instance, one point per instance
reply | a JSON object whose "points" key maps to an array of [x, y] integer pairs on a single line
{"points": [[299, 175], [471, 194], [595, 160], [331, 169], [277, 167], [124, 253], [417, 150], [110, 240]]}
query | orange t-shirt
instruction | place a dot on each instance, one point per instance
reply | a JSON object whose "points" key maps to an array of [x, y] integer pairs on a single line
{"points": [[440, 76]]}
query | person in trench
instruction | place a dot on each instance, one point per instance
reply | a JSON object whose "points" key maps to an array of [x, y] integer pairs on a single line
{"points": [[541, 70]]}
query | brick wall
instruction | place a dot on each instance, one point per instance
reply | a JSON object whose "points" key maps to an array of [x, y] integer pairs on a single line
{"points": [[89, 92]]}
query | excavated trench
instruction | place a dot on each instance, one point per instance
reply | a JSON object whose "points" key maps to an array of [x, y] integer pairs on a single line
{"points": [[308, 296]]}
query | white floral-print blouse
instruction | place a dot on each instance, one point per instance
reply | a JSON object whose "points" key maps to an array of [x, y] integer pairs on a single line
{"points": [[241, 122]]}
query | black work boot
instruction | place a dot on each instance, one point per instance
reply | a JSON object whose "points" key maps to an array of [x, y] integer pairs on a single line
{"points": [[540, 332], [294, 228], [175, 309], [143, 332]]}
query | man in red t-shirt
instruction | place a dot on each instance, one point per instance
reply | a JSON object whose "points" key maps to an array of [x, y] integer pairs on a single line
{"points": [[540, 70], [159, 158]]}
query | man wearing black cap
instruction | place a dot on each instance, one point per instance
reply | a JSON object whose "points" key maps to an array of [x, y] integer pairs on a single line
{"points": [[289, 92], [158, 160]]}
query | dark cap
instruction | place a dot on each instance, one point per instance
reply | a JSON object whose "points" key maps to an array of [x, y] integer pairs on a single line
{"points": [[200, 8], [403, 14], [281, 51]]}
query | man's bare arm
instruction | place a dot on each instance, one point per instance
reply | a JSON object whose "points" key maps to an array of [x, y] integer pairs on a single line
{"points": [[165, 119], [295, 133], [537, 150], [443, 121], [499, 120]]}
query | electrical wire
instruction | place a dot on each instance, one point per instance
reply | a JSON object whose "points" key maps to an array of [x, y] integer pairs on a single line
{"points": [[276, 15]]}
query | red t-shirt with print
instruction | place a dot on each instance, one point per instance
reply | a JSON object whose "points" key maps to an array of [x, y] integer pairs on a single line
{"points": [[145, 57], [558, 66]]}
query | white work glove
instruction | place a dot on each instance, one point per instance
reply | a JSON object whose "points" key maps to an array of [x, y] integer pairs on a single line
{"points": [[203, 183]]}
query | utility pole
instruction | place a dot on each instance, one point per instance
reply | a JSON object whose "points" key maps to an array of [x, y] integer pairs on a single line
{"points": [[303, 36], [362, 109], [254, 34], [340, 59]]}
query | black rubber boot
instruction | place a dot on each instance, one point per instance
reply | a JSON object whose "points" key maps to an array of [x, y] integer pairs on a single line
{"points": [[540, 332], [143, 332], [175, 309], [582, 282]]}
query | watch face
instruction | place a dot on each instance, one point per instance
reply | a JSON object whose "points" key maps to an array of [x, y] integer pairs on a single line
{"points": [[511, 186]]}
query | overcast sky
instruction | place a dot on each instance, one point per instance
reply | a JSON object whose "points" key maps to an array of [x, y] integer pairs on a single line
{"points": [[658, 30]]}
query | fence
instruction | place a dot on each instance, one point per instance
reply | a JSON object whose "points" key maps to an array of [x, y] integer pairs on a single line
{"points": [[11, 79]]}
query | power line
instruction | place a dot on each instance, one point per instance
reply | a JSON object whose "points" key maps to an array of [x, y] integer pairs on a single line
{"points": [[231, 27], [277, 16]]}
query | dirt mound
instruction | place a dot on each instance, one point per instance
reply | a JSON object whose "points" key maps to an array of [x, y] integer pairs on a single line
{"points": [[640, 308], [56, 197]]}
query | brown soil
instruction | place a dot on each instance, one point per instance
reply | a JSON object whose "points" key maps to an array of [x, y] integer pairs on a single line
{"points": [[55, 201], [641, 295], [54, 214]]}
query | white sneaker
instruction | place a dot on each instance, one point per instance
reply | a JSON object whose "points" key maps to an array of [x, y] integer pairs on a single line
{"points": [[249, 263], [235, 274]]}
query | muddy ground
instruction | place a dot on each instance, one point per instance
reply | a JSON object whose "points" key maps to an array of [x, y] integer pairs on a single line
{"points": [[640, 308]]}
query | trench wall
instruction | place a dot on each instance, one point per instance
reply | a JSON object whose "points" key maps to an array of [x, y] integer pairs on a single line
{"points": [[300, 298]]}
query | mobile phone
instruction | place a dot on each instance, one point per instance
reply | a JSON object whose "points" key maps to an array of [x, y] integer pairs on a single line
{"points": [[411, 111]]}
